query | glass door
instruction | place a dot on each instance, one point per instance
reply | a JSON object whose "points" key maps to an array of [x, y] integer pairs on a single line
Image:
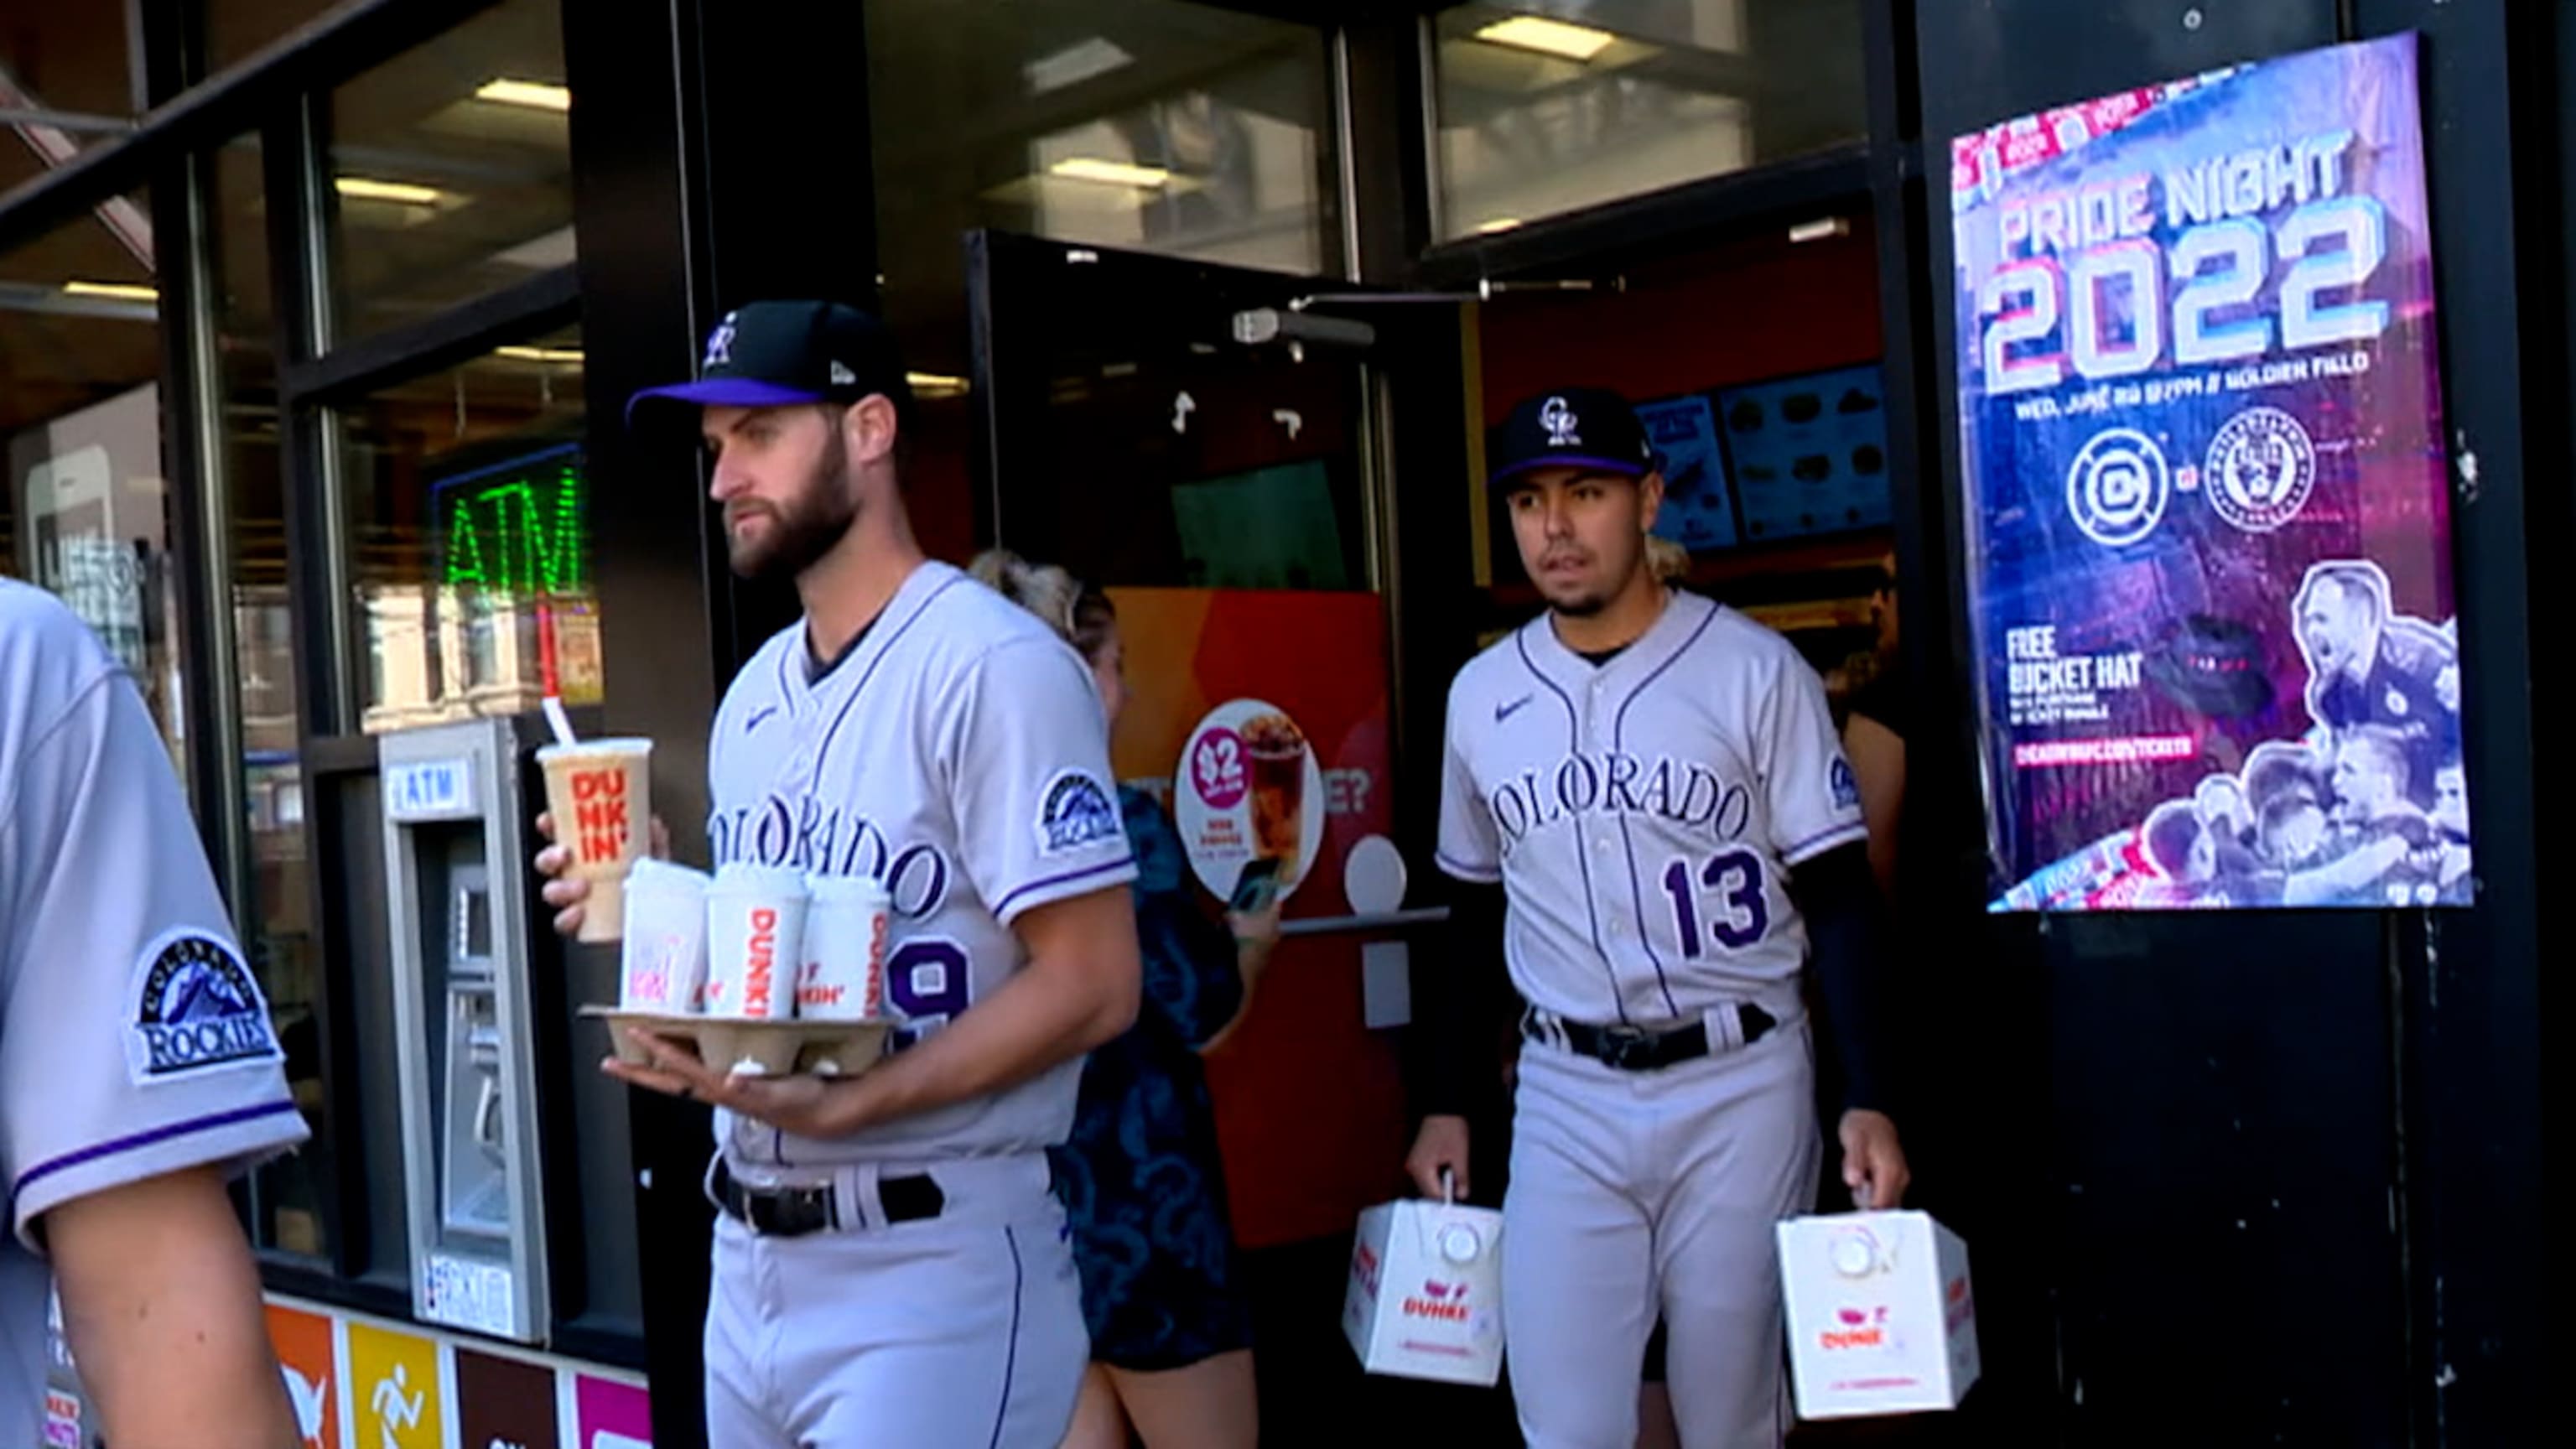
{"points": [[1156, 426]]}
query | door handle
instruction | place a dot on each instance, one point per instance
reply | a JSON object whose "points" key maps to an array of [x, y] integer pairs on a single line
{"points": [[1353, 925]]}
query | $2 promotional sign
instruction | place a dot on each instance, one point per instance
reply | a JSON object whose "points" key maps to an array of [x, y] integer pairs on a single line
{"points": [[2201, 422]]}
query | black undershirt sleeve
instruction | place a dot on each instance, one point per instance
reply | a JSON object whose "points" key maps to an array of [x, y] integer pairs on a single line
{"points": [[1847, 945]]}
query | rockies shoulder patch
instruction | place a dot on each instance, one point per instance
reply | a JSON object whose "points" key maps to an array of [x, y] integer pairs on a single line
{"points": [[1846, 785], [196, 1008], [1077, 812]]}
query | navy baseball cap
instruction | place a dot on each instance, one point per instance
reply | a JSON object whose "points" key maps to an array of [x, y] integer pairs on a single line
{"points": [[1569, 427], [779, 354]]}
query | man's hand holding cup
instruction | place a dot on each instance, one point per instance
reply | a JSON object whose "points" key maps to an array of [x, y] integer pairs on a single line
{"points": [[570, 894]]}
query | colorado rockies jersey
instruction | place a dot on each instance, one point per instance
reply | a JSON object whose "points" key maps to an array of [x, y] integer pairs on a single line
{"points": [[959, 756], [1644, 815], [133, 1040]]}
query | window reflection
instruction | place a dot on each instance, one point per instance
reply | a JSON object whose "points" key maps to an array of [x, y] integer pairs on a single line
{"points": [[1548, 108], [451, 169], [87, 511]]}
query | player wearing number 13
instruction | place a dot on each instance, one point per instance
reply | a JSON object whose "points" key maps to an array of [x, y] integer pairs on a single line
{"points": [[1655, 782], [890, 1265]]}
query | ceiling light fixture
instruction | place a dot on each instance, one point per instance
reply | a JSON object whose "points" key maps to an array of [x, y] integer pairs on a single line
{"points": [[1111, 173], [935, 384], [535, 95], [1548, 37], [362, 188], [115, 291]]}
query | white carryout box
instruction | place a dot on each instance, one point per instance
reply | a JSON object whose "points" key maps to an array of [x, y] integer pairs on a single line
{"points": [[1881, 1317], [1425, 1299]]}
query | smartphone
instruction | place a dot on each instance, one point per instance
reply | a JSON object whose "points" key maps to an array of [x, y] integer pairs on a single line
{"points": [[1256, 887]]}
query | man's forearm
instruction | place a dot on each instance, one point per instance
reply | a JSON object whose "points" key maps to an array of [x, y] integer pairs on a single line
{"points": [[161, 1304]]}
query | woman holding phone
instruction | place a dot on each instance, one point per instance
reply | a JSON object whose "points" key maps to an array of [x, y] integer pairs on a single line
{"points": [[1171, 1334]]}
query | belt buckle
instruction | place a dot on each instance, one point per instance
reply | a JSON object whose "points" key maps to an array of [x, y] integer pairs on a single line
{"points": [[1627, 1048]]}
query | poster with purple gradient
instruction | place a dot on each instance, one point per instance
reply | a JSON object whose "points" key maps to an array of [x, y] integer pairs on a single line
{"points": [[2208, 506]]}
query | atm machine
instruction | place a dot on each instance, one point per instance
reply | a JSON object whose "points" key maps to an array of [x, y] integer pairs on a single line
{"points": [[456, 841]]}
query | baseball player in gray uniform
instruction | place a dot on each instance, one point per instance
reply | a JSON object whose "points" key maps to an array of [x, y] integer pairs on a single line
{"points": [[1655, 782], [891, 1268], [138, 1066]]}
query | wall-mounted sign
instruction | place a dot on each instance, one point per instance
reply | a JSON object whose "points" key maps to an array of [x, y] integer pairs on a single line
{"points": [[2208, 513], [1249, 789]]}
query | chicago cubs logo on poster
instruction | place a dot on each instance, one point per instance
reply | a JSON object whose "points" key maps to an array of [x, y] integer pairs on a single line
{"points": [[2207, 496]]}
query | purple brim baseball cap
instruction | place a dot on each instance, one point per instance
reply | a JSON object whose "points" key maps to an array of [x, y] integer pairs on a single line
{"points": [[733, 392], [1590, 462]]}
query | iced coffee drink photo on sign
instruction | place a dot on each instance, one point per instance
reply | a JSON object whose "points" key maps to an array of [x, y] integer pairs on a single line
{"points": [[599, 798], [1249, 789], [1276, 750]]}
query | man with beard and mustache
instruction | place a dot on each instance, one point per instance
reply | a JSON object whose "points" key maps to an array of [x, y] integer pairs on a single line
{"points": [[890, 1263], [1655, 782]]}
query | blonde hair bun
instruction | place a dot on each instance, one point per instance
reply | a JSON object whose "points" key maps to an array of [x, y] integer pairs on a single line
{"points": [[1043, 589]]}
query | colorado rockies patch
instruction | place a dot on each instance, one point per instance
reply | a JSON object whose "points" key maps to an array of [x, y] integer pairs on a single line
{"points": [[195, 1009], [1077, 812], [1846, 786]]}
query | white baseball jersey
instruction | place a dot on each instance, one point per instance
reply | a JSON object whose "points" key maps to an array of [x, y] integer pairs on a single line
{"points": [[1643, 816], [960, 757], [133, 1040]]}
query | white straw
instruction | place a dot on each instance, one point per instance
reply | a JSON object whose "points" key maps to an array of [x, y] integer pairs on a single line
{"points": [[558, 721]]}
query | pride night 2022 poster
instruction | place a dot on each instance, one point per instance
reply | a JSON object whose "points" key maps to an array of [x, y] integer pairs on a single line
{"points": [[2208, 506]]}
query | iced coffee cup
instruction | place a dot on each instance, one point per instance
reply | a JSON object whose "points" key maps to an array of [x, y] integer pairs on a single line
{"points": [[600, 793], [1278, 758], [664, 964], [849, 928], [755, 942]]}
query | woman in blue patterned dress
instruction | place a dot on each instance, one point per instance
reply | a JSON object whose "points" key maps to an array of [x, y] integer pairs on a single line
{"points": [[1171, 1336]]}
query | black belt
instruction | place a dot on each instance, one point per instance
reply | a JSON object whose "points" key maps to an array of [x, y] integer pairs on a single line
{"points": [[793, 1212], [1635, 1049]]}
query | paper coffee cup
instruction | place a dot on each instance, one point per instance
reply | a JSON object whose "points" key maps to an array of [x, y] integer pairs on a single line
{"points": [[849, 929], [755, 942], [600, 793], [664, 963]]}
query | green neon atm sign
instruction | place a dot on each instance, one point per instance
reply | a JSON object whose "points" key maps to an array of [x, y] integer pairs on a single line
{"points": [[520, 527]]}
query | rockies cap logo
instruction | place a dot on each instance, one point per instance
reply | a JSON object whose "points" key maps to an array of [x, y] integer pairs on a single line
{"points": [[720, 344], [1560, 422]]}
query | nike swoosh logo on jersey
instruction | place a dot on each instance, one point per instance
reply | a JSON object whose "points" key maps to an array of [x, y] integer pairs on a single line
{"points": [[1503, 712], [758, 716]]}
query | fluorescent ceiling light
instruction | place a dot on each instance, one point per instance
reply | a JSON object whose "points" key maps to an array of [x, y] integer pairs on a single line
{"points": [[1548, 37], [1112, 173], [361, 188], [1500, 223], [1075, 64], [1819, 230], [535, 95], [935, 384], [119, 291], [570, 355]]}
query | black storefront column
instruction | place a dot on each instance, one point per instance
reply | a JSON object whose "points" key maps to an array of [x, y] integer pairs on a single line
{"points": [[2282, 1168], [720, 152]]}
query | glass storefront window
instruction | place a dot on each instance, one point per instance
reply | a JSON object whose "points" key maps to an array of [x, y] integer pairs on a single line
{"points": [[471, 538], [87, 512], [452, 170], [276, 921], [65, 84], [1548, 108], [1146, 125], [238, 29]]}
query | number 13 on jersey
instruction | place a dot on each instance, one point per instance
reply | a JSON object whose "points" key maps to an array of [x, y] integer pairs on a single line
{"points": [[1737, 910]]}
